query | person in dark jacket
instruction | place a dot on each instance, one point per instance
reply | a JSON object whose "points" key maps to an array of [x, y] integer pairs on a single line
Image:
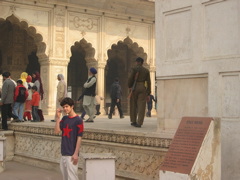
{"points": [[149, 105], [89, 94], [116, 96], [6, 102]]}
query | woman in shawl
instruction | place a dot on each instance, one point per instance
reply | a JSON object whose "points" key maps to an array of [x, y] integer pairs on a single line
{"points": [[61, 91], [23, 77]]}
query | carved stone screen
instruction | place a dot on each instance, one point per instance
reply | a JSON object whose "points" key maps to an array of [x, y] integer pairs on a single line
{"points": [[186, 144]]}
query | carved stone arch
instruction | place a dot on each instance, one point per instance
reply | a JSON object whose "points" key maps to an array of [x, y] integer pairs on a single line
{"points": [[88, 50], [121, 59], [82, 58], [38, 39], [139, 51], [25, 50]]}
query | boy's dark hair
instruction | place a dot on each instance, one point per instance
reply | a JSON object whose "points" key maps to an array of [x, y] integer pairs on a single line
{"points": [[19, 81], [34, 88], [6, 74], [68, 101]]}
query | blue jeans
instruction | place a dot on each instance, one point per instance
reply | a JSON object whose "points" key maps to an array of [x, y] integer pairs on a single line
{"points": [[18, 108], [35, 113]]}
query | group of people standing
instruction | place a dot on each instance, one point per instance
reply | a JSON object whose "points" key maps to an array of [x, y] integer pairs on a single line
{"points": [[21, 99], [139, 84]]}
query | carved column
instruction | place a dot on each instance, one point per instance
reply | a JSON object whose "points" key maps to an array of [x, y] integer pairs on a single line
{"points": [[59, 34], [44, 73], [101, 84], [56, 62]]}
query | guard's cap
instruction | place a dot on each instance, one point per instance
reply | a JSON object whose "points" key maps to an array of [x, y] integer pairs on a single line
{"points": [[139, 59]]}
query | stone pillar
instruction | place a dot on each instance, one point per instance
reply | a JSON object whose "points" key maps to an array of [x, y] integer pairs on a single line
{"points": [[101, 84], [1, 81], [50, 68], [55, 62], [44, 74], [153, 85], [2, 152]]}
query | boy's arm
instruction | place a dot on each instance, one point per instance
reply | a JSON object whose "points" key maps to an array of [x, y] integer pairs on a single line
{"points": [[57, 128], [75, 155]]}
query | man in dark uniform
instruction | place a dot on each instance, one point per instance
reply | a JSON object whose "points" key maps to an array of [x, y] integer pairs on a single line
{"points": [[140, 76]]}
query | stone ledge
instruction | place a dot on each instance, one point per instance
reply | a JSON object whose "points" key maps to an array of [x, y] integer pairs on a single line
{"points": [[123, 137]]}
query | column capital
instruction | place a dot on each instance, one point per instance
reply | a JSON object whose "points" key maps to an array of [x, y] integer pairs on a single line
{"points": [[101, 65], [152, 69], [54, 61]]}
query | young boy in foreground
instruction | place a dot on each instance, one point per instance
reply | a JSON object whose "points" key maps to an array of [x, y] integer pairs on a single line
{"points": [[71, 126]]}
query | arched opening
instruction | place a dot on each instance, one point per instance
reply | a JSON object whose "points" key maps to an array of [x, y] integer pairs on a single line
{"points": [[121, 59], [19, 45], [82, 55]]}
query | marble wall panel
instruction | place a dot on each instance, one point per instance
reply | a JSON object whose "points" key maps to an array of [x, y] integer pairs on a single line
{"points": [[182, 97], [177, 35], [82, 26], [5, 11], [83, 22], [230, 149], [118, 30], [220, 31], [37, 18], [230, 94]]}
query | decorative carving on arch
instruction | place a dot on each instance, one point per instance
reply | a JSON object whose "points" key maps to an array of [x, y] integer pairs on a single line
{"points": [[38, 39], [88, 49], [139, 51]]}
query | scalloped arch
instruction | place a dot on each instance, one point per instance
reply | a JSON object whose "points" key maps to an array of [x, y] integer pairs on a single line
{"points": [[132, 45], [38, 39], [89, 50]]}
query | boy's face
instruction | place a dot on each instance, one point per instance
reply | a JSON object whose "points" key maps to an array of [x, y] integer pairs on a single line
{"points": [[67, 109], [33, 90]]}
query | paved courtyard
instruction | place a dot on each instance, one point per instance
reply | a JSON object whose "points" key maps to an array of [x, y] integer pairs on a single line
{"points": [[18, 171]]}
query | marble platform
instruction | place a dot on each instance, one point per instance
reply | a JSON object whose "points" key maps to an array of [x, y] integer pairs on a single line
{"points": [[139, 152]]}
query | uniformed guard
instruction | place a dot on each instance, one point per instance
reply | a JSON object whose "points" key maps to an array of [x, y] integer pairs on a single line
{"points": [[140, 88]]}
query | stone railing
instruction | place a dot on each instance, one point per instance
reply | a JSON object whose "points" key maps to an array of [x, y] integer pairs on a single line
{"points": [[138, 156]]}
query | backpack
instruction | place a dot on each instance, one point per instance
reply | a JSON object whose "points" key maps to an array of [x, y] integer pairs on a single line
{"points": [[21, 95], [29, 86]]}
